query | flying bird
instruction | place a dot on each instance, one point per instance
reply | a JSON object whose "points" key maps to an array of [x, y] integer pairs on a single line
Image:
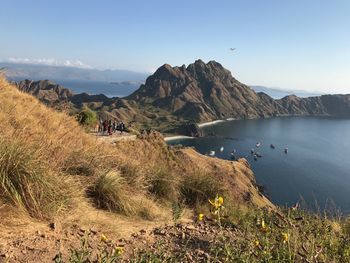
{"points": [[232, 49]]}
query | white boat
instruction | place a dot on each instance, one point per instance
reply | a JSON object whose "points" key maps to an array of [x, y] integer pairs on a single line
{"points": [[222, 149], [211, 153], [258, 144]]}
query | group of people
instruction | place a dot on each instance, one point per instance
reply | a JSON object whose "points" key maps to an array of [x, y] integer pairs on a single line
{"points": [[108, 127]]}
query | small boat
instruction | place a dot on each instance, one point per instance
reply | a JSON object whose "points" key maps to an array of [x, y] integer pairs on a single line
{"points": [[222, 149], [258, 155], [258, 144], [272, 146], [255, 158], [285, 150], [252, 151], [212, 153]]}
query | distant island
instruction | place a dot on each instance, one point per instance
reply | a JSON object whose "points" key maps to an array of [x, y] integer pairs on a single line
{"points": [[278, 93], [173, 97], [127, 83]]}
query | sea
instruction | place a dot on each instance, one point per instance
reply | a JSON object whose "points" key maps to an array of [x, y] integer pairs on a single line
{"points": [[315, 171], [98, 87]]}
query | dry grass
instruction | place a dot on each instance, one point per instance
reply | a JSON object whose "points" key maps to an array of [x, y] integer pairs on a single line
{"points": [[27, 182], [112, 192], [200, 186], [51, 164], [45, 154]]}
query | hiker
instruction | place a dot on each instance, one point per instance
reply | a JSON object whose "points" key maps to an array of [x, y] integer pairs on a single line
{"points": [[114, 126], [122, 126], [105, 127], [100, 126], [109, 127]]}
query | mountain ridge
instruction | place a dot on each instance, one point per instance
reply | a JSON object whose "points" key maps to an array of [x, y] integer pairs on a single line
{"points": [[200, 92]]}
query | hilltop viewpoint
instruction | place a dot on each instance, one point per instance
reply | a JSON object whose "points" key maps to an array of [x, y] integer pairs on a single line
{"points": [[69, 197]]}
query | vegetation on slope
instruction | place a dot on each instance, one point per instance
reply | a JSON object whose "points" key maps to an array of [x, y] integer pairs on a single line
{"points": [[250, 236], [231, 234], [49, 164], [50, 168]]}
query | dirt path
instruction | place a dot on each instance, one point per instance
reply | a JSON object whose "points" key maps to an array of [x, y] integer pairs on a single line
{"points": [[114, 137], [24, 239]]}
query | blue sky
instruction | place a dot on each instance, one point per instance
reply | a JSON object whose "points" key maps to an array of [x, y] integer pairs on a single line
{"points": [[289, 44]]}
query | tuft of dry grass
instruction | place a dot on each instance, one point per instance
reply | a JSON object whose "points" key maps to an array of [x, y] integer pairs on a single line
{"points": [[28, 183], [112, 192], [164, 183], [199, 186]]}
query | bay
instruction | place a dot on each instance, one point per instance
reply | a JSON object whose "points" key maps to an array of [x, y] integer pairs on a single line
{"points": [[316, 168]]}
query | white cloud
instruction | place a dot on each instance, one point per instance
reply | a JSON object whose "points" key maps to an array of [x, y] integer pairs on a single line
{"points": [[49, 62]]}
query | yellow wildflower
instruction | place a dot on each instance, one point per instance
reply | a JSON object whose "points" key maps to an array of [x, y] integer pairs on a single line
{"points": [[200, 217], [104, 238], [258, 222], [119, 250], [263, 226], [285, 237], [218, 201], [257, 243]]}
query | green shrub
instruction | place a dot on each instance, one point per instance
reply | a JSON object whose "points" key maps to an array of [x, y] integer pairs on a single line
{"points": [[87, 117]]}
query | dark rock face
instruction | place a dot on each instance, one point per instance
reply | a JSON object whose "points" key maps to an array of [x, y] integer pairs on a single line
{"points": [[45, 90], [189, 129], [199, 92]]}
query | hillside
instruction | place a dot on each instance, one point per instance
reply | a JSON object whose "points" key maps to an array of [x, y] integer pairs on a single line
{"points": [[67, 197], [174, 96], [56, 180]]}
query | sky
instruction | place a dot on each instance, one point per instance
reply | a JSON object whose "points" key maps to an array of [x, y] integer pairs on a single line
{"points": [[299, 44]]}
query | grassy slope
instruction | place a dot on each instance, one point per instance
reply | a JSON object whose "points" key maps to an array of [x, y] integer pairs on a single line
{"points": [[51, 170]]}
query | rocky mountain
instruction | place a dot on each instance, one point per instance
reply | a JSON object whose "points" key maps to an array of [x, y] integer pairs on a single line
{"points": [[45, 90], [174, 96]]}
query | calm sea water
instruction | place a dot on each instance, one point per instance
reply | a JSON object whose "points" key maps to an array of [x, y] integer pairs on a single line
{"points": [[98, 87], [316, 168]]}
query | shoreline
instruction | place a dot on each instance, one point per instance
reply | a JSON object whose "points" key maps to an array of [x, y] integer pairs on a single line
{"points": [[204, 124], [177, 137]]}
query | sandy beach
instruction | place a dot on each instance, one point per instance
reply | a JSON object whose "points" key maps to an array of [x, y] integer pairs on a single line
{"points": [[177, 137], [200, 125]]}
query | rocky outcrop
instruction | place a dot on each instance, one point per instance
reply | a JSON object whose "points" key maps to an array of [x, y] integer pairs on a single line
{"points": [[189, 129], [45, 90]]}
